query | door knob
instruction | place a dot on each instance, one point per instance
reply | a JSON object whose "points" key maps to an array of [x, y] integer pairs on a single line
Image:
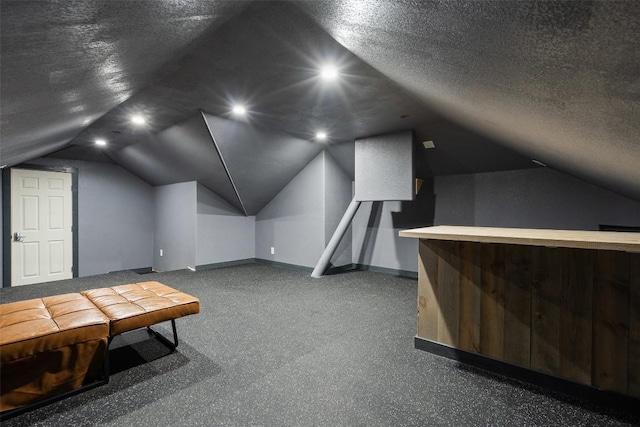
{"points": [[18, 236]]}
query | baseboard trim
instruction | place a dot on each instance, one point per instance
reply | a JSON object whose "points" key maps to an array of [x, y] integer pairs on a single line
{"points": [[296, 267], [225, 264], [339, 269], [389, 271], [142, 270], [568, 388], [305, 269]]}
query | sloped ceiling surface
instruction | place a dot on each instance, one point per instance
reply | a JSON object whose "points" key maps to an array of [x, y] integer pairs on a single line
{"points": [[66, 63], [183, 152], [268, 58], [556, 80], [263, 54], [260, 162]]}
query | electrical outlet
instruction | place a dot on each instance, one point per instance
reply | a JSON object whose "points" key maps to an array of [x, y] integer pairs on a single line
{"points": [[273, 250], [161, 252]]}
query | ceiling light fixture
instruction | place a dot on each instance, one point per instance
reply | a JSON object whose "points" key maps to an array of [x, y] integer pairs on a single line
{"points": [[321, 136], [138, 119], [239, 110], [101, 142], [329, 72]]}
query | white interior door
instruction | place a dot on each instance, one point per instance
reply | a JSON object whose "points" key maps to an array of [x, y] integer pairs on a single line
{"points": [[41, 226]]}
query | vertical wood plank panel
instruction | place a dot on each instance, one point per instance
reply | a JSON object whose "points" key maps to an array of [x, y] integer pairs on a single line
{"points": [[448, 293], [470, 292], [427, 289], [575, 317], [517, 305], [545, 309], [611, 321], [492, 300], [634, 326]]}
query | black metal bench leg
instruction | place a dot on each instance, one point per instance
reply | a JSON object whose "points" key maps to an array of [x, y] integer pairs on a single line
{"points": [[172, 345], [106, 364]]}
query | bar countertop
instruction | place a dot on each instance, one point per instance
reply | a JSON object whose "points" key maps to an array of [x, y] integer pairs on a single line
{"points": [[602, 240]]}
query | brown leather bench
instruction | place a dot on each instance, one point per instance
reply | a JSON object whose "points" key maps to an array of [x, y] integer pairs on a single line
{"points": [[140, 305], [51, 347]]}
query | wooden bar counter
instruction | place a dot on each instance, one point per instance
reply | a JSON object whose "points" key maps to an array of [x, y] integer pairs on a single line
{"points": [[562, 303]]}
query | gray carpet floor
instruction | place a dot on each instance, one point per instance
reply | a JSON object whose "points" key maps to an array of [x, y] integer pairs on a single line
{"points": [[273, 347]]}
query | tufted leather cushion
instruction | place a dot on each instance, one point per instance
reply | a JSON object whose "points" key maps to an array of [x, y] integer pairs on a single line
{"points": [[143, 304], [39, 325], [48, 346]]}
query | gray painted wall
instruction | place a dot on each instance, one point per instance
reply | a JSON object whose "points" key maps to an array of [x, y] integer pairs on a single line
{"points": [[223, 234], [175, 226], [530, 198], [375, 235], [337, 196], [376, 225], [293, 221], [115, 217], [384, 167], [344, 154]]}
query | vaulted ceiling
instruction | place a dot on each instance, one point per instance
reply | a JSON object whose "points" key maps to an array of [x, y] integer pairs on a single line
{"points": [[494, 84]]}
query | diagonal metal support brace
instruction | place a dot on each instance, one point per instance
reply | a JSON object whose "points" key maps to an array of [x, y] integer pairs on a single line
{"points": [[323, 263]]}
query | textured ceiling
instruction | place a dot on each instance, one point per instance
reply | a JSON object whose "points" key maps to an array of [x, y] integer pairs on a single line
{"points": [[66, 63], [268, 58], [555, 81]]}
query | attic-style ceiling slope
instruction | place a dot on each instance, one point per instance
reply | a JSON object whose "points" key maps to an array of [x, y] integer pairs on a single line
{"points": [[268, 58], [557, 80], [66, 63], [183, 152], [260, 162]]}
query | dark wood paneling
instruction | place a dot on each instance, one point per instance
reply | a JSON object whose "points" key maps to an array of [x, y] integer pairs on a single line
{"points": [[611, 321], [545, 310], [470, 293], [492, 300], [448, 293], [571, 313], [634, 326], [575, 315], [427, 290], [517, 305]]}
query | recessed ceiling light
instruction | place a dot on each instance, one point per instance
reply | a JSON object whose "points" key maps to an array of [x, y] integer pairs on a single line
{"points": [[321, 136], [239, 110], [101, 142], [329, 72], [138, 119]]}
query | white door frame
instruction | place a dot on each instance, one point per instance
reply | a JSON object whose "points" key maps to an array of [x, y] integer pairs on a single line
{"points": [[6, 216]]}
